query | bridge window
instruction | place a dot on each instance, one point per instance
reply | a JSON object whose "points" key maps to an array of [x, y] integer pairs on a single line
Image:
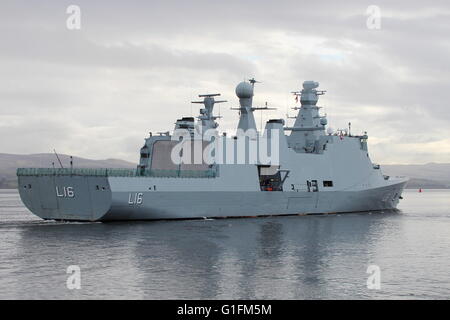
{"points": [[327, 183]]}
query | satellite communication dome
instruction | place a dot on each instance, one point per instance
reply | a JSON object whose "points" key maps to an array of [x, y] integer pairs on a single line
{"points": [[323, 121], [330, 130], [244, 90]]}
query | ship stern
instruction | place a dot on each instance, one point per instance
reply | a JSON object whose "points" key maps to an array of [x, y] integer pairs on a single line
{"points": [[72, 197]]}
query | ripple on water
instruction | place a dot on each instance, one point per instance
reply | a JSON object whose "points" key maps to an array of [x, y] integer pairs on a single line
{"points": [[306, 257]]}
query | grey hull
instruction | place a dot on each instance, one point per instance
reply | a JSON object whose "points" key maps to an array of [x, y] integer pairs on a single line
{"points": [[40, 196], [309, 171], [94, 201]]}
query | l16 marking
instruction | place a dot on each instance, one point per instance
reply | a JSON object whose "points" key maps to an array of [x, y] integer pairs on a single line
{"points": [[135, 198], [66, 192]]}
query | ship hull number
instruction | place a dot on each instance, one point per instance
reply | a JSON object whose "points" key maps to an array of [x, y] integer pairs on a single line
{"points": [[65, 192], [135, 198]]}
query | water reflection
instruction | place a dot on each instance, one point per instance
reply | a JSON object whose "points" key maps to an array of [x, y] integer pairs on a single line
{"points": [[279, 257], [289, 257]]}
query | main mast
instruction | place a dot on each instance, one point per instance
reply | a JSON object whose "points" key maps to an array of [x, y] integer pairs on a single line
{"points": [[309, 126], [245, 92]]}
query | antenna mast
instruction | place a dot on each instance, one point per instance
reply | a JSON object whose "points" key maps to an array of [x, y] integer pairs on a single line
{"points": [[59, 160]]}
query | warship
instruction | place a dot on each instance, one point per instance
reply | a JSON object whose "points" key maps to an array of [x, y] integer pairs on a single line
{"points": [[311, 169]]}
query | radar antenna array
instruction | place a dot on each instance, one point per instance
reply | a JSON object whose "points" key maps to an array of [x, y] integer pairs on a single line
{"points": [[209, 102], [209, 95], [253, 81]]}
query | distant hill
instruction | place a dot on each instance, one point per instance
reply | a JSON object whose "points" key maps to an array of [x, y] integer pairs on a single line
{"points": [[430, 175], [427, 184], [426, 176], [429, 171], [10, 162]]}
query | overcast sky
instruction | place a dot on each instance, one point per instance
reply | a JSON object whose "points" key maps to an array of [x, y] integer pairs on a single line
{"points": [[134, 67]]}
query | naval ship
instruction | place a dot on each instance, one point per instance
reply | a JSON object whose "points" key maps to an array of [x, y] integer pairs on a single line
{"points": [[316, 171]]}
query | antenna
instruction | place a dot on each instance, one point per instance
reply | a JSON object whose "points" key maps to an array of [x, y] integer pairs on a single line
{"points": [[263, 108], [286, 103], [261, 115], [209, 95], [59, 160], [253, 81], [206, 113]]}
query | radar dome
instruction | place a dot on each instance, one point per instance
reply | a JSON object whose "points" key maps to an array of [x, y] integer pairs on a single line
{"points": [[330, 130], [323, 121], [244, 90], [308, 85]]}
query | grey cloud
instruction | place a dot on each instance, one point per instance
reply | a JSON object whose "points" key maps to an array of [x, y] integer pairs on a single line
{"points": [[74, 49], [134, 66]]}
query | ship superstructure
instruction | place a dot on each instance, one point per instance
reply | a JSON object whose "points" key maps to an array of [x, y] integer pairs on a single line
{"points": [[310, 170]]}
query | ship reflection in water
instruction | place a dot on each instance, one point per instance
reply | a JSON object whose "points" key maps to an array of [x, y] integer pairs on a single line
{"points": [[277, 257]]}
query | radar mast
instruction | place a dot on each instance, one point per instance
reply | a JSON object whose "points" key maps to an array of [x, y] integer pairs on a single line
{"points": [[206, 117], [244, 91]]}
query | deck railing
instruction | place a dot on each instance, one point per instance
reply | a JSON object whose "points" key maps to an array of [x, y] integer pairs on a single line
{"points": [[103, 172]]}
